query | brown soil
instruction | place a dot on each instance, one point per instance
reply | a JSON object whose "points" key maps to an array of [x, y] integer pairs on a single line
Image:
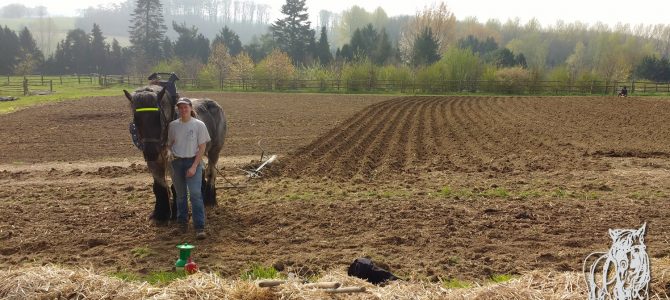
{"points": [[434, 187]]}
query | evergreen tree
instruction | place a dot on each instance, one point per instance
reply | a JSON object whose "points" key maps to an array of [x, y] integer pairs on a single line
{"points": [[425, 48], [370, 44], [477, 46], [10, 49], [99, 50], [521, 60], [230, 39], [363, 41], [167, 49], [77, 47], [346, 53], [382, 51], [30, 57], [115, 60], [503, 58], [261, 47], [190, 44], [147, 29], [654, 69], [323, 48], [293, 32]]}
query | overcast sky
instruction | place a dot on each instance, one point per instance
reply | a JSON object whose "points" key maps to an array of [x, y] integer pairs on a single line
{"points": [[547, 12]]}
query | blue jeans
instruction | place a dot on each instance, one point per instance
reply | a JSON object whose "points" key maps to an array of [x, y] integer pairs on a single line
{"points": [[194, 185]]}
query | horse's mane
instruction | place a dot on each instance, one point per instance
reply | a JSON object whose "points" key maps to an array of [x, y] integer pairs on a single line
{"points": [[146, 96]]}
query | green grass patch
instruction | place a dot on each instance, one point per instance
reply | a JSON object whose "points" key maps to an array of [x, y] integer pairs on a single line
{"points": [[448, 192], [455, 284], [529, 194], [498, 278], [154, 278], [495, 193], [560, 193], [126, 276], [142, 252], [61, 93], [260, 272], [591, 195], [160, 278]]}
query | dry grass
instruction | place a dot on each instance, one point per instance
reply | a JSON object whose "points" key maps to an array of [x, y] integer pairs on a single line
{"points": [[52, 282]]}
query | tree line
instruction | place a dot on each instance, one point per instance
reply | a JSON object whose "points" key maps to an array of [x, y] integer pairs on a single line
{"points": [[429, 46]]}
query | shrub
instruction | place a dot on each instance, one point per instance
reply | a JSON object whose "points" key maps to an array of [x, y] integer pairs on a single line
{"points": [[207, 77], [360, 75], [512, 80]]}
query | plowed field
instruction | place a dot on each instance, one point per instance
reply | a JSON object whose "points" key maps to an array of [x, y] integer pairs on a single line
{"points": [[433, 187], [499, 134]]}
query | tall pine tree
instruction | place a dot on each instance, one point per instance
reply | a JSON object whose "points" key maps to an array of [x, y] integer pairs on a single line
{"points": [[10, 49], [190, 43], [293, 33], [147, 29], [30, 57], [323, 48], [425, 48], [230, 39], [99, 50]]}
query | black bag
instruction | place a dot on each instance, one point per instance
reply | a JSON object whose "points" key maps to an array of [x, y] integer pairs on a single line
{"points": [[364, 268]]}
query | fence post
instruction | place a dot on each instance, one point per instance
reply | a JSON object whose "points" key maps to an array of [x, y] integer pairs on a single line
{"points": [[42, 78], [51, 86], [78, 79], [61, 79], [25, 86]]}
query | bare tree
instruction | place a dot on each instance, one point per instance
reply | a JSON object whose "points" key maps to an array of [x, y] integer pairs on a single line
{"points": [[225, 11], [211, 9], [262, 14], [237, 7], [439, 19]]}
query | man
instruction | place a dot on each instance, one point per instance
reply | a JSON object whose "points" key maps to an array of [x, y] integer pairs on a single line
{"points": [[187, 139], [623, 92]]}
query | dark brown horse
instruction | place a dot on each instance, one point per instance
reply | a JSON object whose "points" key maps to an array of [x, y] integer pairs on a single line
{"points": [[152, 113]]}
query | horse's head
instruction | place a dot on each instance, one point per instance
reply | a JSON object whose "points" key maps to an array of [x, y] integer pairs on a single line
{"points": [[151, 115], [628, 252]]}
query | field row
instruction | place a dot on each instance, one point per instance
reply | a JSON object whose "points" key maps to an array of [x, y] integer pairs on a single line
{"points": [[500, 134]]}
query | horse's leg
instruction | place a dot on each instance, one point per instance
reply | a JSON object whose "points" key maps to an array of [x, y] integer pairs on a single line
{"points": [[209, 182], [162, 207], [205, 188], [173, 214], [208, 189]]}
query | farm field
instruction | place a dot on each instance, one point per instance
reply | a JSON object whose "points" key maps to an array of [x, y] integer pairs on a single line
{"points": [[434, 187]]}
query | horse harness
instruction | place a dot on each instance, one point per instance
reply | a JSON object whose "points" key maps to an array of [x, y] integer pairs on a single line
{"points": [[138, 140]]}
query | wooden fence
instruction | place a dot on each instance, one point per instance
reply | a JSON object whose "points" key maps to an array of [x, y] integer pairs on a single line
{"points": [[32, 84], [15, 85]]}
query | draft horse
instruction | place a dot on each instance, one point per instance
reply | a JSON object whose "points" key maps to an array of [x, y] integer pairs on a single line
{"points": [[152, 114]]}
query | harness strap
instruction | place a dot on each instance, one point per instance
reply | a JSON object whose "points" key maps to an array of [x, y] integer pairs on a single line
{"points": [[145, 109]]}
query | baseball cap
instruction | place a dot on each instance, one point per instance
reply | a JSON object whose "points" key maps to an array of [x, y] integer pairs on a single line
{"points": [[184, 100]]}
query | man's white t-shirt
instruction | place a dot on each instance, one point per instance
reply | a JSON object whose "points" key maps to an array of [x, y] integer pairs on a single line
{"points": [[185, 137]]}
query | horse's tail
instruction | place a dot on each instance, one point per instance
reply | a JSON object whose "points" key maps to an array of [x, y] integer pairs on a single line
{"points": [[589, 277]]}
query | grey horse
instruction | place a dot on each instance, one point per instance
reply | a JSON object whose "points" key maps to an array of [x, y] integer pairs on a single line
{"points": [[152, 113]]}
